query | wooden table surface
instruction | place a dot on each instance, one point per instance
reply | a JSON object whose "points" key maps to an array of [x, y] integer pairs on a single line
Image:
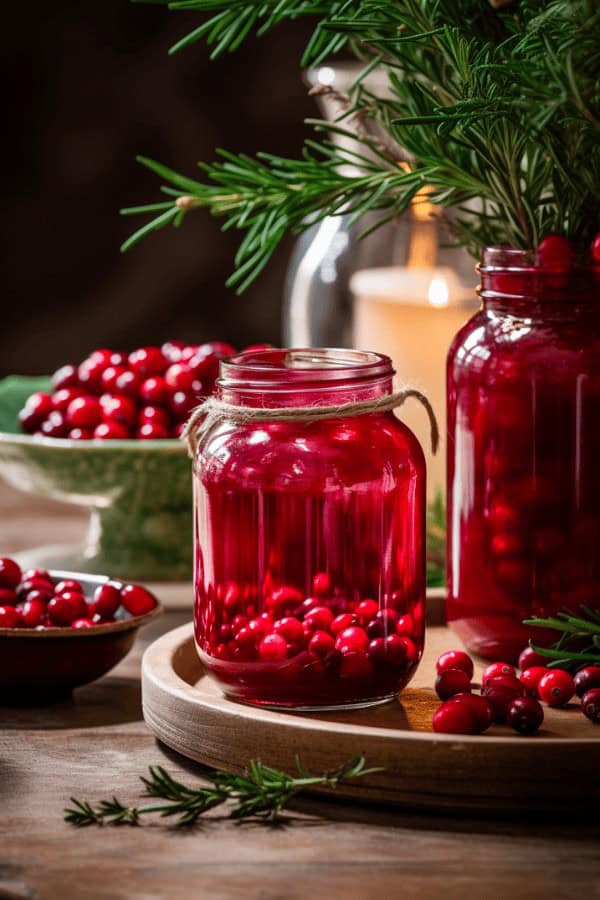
{"points": [[97, 745]]}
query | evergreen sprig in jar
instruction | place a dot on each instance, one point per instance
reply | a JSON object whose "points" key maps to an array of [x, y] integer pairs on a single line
{"points": [[524, 452], [309, 534]]}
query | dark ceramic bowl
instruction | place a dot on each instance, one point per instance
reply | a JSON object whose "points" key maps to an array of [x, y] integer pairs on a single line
{"points": [[46, 664], [138, 493]]}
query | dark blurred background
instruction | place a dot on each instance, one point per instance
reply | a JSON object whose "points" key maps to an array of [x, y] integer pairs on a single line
{"points": [[88, 86]]}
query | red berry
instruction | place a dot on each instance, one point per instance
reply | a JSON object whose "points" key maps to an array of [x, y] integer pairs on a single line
{"points": [[525, 715], [220, 349], [595, 249], [321, 644], [128, 384], [405, 625], [182, 403], [319, 618], [61, 399], [61, 611], [82, 623], [451, 682], [341, 622], [55, 426], [556, 687], [37, 408], [481, 708], [154, 390], [10, 572], [290, 629], [273, 647], [90, 374], [8, 597], [37, 575], [410, 650], [65, 377], [590, 704], [137, 600], [68, 584], [354, 664], [354, 638], [34, 584], [238, 623], [529, 658], [500, 691], [154, 414], [9, 617], [376, 650], [108, 379], [106, 600], [584, 680], [494, 670], [555, 253], [321, 585], [118, 408], [396, 649], [455, 718], [261, 626], [84, 412], [149, 431], [179, 377], [530, 679], [283, 598], [147, 361], [33, 613], [39, 596], [367, 610], [111, 431], [383, 623], [455, 659]]}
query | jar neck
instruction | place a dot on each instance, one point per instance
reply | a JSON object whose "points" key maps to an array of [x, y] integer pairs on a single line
{"points": [[300, 377], [511, 282]]}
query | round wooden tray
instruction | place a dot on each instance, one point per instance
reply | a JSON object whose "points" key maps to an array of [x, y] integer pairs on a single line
{"points": [[555, 770]]}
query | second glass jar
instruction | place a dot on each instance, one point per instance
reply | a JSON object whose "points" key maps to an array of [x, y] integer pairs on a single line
{"points": [[310, 536]]}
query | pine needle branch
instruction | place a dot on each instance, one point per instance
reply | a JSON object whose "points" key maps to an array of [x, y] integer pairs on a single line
{"points": [[261, 793], [498, 111]]}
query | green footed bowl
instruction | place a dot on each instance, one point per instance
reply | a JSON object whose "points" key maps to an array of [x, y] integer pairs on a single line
{"points": [[139, 494]]}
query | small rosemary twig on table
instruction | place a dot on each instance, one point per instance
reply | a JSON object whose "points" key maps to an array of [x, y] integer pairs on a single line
{"points": [[579, 641], [262, 792]]}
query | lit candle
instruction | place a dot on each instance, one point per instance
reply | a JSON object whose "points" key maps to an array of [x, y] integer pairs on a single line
{"points": [[412, 314]]}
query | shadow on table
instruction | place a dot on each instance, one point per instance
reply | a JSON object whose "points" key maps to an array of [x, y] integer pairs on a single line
{"points": [[306, 810], [111, 701]]}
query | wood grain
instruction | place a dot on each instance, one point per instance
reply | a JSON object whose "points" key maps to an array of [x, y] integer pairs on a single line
{"points": [[96, 744], [185, 708]]}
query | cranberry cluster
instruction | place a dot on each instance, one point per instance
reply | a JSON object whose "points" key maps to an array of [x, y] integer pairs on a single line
{"points": [[33, 599], [147, 394], [506, 698], [321, 645]]}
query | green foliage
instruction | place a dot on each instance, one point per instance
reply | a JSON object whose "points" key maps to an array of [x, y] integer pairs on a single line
{"points": [[499, 111], [261, 792], [579, 641]]}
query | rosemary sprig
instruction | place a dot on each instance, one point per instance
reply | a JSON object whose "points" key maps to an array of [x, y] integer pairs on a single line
{"points": [[498, 108], [579, 640], [261, 793]]}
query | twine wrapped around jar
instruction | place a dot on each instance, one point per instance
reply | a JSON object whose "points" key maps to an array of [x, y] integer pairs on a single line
{"points": [[213, 411]]}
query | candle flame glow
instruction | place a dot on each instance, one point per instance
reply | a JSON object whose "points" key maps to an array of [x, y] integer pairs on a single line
{"points": [[438, 294]]}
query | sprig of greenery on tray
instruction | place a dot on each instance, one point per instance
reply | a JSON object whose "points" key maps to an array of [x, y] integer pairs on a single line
{"points": [[262, 792], [579, 641]]}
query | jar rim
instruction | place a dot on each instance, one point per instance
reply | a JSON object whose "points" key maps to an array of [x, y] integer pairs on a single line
{"points": [[302, 365]]}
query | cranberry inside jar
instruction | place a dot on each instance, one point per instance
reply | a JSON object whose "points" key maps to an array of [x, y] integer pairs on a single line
{"points": [[310, 536], [523, 451]]}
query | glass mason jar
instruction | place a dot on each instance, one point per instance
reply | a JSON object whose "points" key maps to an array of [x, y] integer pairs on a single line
{"points": [[310, 550], [523, 452]]}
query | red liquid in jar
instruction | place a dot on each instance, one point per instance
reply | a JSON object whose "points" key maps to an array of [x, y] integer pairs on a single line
{"points": [[294, 516], [523, 458]]}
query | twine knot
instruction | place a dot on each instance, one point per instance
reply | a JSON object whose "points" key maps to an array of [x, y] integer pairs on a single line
{"points": [[213, 411]]}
